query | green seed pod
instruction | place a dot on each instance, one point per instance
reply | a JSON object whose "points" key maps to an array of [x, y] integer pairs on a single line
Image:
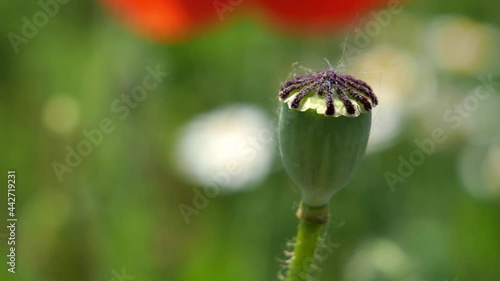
{"points": [[324, 127]]}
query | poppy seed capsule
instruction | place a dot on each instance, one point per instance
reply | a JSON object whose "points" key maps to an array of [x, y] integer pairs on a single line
{"points": [[324, 127]]}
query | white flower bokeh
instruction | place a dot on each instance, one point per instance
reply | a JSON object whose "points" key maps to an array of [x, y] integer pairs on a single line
{"points": [[478, 167], [61, 115], [378, 259], [393, 78], [232, 147], [461, 45]]}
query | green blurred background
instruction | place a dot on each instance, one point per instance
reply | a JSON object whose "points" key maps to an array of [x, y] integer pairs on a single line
{"points": [[117, 215]]}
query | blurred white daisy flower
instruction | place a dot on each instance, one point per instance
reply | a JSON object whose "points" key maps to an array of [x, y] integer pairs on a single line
{"points": [[231, 147], [460, 45], [392, 74]]}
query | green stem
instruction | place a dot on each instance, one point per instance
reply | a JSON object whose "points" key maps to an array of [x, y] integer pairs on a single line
{"points": [[312, 221]]}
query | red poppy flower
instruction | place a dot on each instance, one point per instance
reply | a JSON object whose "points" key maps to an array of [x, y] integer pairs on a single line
{"points": [[173, 20], [316, 15]]}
